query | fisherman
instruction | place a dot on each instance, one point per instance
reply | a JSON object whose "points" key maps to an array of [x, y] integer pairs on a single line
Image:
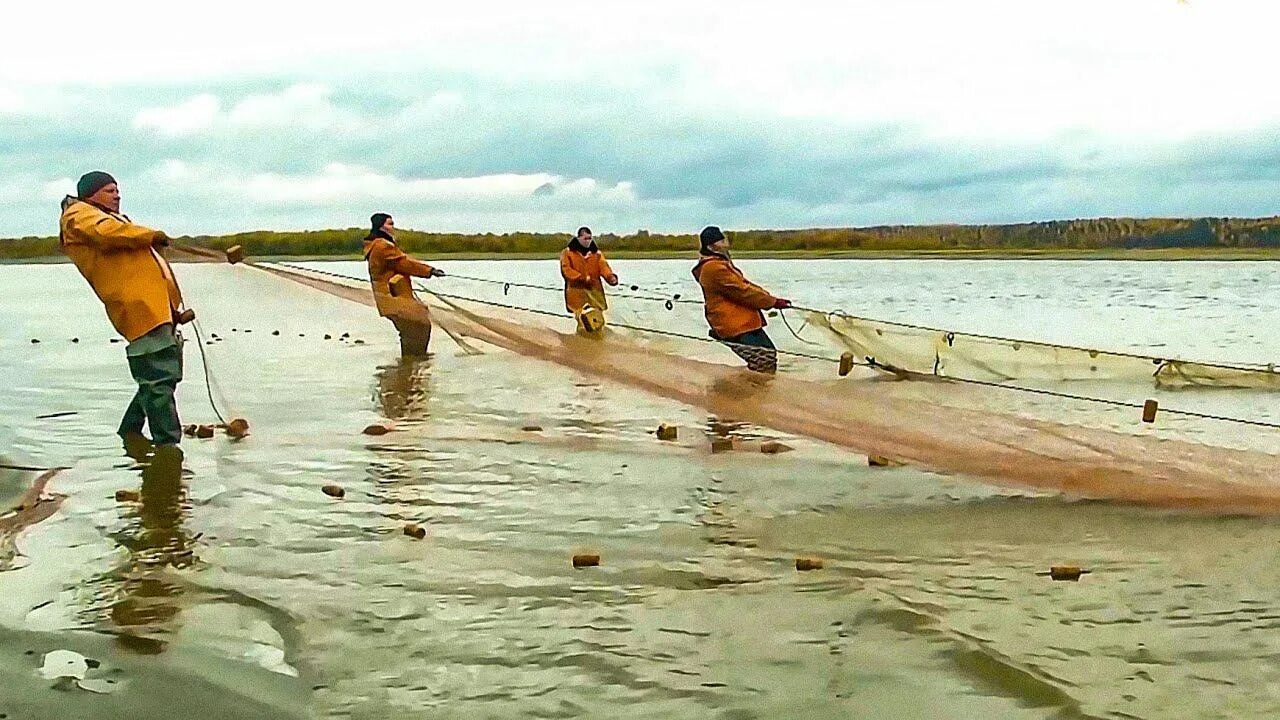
{"points": [[122, 262], [390, 273], [585, 270], [734, 305]]}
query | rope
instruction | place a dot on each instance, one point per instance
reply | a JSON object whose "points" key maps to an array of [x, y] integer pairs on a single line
{"points": [[28, 468], [551, 313], [782, 314], [550, 288], [1247, 367], [204, 361], [869, 362]]}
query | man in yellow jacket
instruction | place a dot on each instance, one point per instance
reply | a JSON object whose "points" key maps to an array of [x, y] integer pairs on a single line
{"points": [[123, 265], [390, 273]]}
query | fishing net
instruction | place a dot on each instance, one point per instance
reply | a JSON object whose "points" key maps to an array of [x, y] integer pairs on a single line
{"points": [[947, 353], [911, 422]]}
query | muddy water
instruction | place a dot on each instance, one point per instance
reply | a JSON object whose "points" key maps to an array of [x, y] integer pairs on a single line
{"points": [[237, 580]]}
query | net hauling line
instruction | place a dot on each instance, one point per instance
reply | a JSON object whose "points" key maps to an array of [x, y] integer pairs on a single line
{"points": [[1162, 364], [994, 445], [869, 362]]}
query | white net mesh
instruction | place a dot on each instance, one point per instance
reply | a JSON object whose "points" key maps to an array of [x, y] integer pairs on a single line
{"points": [[935, 351]]}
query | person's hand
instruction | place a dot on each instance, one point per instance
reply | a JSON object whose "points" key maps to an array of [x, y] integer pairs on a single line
{"points": [[437, 272], [160, 239], [612, 280], [781, 304]]}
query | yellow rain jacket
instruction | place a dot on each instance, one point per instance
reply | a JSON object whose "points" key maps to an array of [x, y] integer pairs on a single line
{"points": [[125, 270], [390, 270]]}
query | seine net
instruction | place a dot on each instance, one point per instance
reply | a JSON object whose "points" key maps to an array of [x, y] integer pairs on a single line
{"points": [[938, 426], [936, 351]]}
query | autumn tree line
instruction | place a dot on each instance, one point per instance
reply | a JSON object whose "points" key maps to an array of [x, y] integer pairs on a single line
{"points": [[1090, 234]]}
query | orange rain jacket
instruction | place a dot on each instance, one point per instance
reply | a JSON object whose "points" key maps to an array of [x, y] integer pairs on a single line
{"points": [[126, 272], [732, 303], [583, 275], [389, 272]]}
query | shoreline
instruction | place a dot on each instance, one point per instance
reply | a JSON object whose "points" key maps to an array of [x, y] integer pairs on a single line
{"points": [[1159, 254]]}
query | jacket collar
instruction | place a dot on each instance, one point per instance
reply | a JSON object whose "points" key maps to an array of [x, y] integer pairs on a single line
{"points": [[583, 250]]}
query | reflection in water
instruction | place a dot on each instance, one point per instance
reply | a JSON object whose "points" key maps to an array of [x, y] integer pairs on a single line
{"points": [[148, 601], [403, 394], [403, 389]]}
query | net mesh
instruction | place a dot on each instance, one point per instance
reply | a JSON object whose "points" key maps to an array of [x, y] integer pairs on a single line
{"points": [[894, 419], [946, 353]]}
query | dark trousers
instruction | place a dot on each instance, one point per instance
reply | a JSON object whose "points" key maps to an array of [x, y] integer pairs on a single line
{"points": [[157, 375], [414, 336], [756, 348]]}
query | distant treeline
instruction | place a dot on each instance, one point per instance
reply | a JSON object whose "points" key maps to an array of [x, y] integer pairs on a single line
{"points": [[1101, 233]]}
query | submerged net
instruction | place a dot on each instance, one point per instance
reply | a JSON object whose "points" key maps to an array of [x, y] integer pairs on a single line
{"points": [[946, 353], [893, 419]]}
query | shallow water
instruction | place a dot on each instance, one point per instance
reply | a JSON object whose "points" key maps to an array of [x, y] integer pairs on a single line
{"points": [[246, 582]]}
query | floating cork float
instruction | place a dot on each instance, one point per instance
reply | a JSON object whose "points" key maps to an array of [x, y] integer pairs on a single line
{"points": [[881, 461], [238, 428], [531, 428], [189, 430], [774, 448], [1149, 409], [1068, 573], [415, 531], [667, 432], [846, 363], [582, 560], [204, 432], [721, 445], [805, 564], [334, 491], [235, 254], [128, 496], [377, 429]]}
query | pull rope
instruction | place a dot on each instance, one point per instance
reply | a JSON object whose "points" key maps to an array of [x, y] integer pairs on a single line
{"points": [[867, 362], [204, 361], [671, 300], [642, 295]]}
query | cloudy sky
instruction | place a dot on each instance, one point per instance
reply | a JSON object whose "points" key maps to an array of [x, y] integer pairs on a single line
{"points": [[497, 116]]}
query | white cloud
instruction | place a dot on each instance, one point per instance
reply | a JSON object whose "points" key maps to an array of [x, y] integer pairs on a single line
{"points": [[192, 116], [927, 102], [305, 105], [301, 106], [12, 102], [340, 183]]}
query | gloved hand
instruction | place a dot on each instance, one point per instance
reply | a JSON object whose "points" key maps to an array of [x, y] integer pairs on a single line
{"points": [[611, 279], [160, 240], [437, 272], [781, 304]]}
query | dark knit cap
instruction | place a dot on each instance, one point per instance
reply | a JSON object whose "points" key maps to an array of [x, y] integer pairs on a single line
{"points": [[92, 182], [378, 220], [710, 236]]}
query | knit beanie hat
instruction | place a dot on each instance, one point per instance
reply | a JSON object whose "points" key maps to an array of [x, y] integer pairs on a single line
{"points": [[92, 182], [710, 236]]}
